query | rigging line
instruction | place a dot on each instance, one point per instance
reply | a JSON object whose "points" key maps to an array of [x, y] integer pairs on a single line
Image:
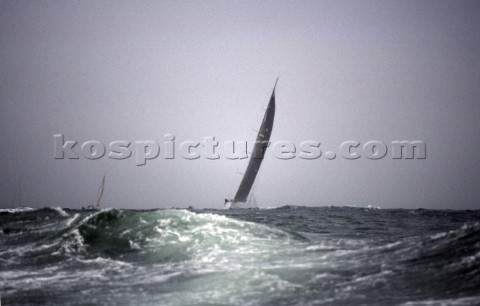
{"points": [[18, 191], [14, 194]]}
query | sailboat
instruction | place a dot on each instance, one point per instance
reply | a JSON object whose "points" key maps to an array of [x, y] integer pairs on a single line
{"points": [[17, 194], [18, 191], [17, 204], [244, 197], [96, 204]]}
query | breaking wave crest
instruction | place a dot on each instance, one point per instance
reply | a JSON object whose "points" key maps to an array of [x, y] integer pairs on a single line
{"points": [[154, 236], [290, 255]]}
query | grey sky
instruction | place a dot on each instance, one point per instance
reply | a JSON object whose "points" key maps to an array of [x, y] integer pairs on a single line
{"points": [[402, 70]]}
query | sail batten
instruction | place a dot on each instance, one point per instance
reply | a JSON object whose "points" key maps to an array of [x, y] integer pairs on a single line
{"points": [[259, 149]]}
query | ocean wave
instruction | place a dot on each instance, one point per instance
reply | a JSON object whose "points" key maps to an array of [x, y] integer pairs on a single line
{"points": [[286, 256]]}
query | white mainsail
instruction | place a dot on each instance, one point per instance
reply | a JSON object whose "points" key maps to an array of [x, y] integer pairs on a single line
{"points": [[96, 204]]}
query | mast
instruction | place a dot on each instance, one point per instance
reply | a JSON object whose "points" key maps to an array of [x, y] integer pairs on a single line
{"points": [[18, 190], [259, 149], [19, 193]]}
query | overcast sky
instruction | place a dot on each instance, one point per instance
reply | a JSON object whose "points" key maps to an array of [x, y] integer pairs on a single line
{"points": [[136, 70]]}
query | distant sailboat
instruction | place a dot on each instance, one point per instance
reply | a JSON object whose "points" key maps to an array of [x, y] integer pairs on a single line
{"points": [[17, 194], [244, 197], [96, 204], [17, 204]]}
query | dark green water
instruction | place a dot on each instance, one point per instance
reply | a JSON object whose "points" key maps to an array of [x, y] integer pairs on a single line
{"points": [[285, 256]]}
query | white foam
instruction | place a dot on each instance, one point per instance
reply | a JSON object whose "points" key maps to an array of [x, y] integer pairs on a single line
{"points": [[73, 219], [60, 211], [17, 209], [470, 300]]}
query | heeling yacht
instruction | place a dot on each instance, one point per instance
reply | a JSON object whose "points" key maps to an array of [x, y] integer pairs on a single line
{"points": [[244, 197]]}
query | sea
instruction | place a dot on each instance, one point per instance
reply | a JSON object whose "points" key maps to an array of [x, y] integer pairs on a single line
{"points": [[290, 255]]}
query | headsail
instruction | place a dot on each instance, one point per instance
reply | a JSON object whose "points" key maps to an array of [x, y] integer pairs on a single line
{"points": [[258, 152]]}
